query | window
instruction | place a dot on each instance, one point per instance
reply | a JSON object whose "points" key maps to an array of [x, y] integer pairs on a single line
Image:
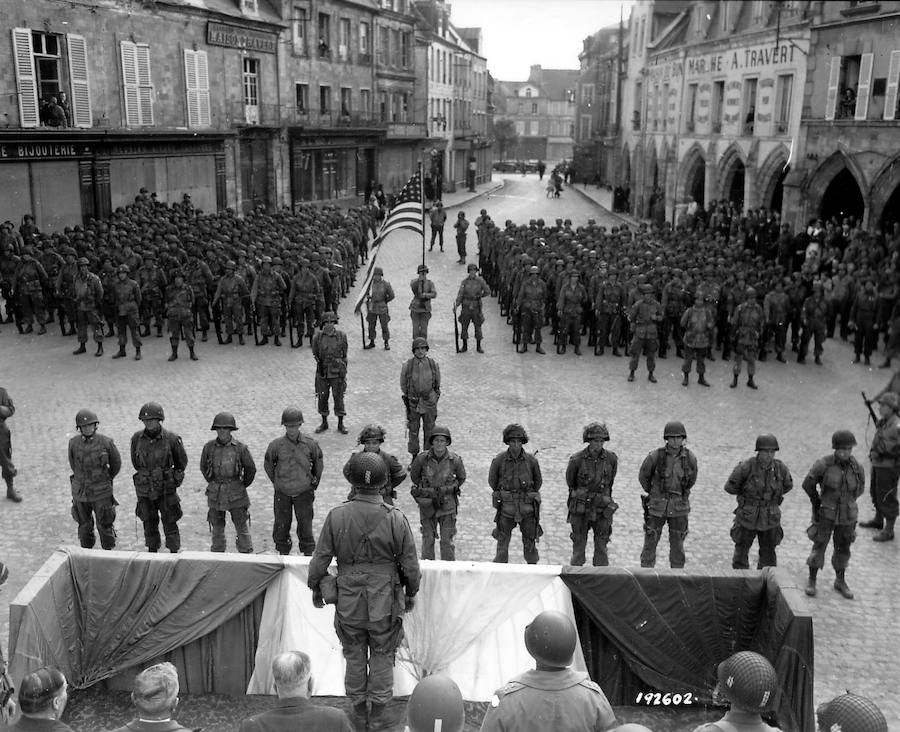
{"points": [[383, 106], [324, 99], [395, 47], [301, 95], [346, 101], [249, 7], [749, 108], [638, 100], [893, 81], [344, 39], [196, 82], [528, 91], [383, 44], [251, 82], [405, 60], [137, 84], [46, 63], [783, 90], [520, 128], [299, 22], [718, 105], [365, 43], [691, 107], [759, 11], [404, 107], [534, 108], [365, 102], [585, 127], [324, 35], [587, 95], [664, 111], [521, 108]]}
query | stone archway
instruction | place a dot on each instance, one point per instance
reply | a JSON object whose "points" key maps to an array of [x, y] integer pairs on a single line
{"points": [[693, 175], [732, 176], [625, 170], [885, 197], [770, 179], [844, 194], [646, 198]]}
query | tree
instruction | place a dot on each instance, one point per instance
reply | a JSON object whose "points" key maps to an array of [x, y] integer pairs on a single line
{"points": [[506, 136]]}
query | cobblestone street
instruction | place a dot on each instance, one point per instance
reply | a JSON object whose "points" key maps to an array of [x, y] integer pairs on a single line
{"points": [[552, 396]]}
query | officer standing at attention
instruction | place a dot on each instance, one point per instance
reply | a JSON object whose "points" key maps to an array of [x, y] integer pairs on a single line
{"points": [[127, 297], [420, 384], [749, 682], [229, 470], [7, 468], [833, 484], [371, 438], [746, 327], [590, 475], [95, 462], [424, 292], [552, 696], [462, 228], [515, 481], [378, 578], [437, 475], [179, 309], [643, 317], [472, 289], [329, 347], [159, 461], [759, 484], [529, 307], [667, 476], [293, 463], [884, 456], [438, 217], [380, 294], [88, 295]]}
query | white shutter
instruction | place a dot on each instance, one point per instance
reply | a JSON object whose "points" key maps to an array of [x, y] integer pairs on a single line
{"points": [[865, 82], [890, 99], [190, 85], [203, 89], [26, 81], [145, 85], [834, 75], [130, 84], [78, 74]]}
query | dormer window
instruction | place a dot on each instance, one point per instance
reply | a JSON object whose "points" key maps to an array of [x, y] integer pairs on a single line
{"points": [[250, 7], [527, 92]]}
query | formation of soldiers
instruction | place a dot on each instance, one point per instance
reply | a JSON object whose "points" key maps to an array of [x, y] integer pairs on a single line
{"points": [[155, 266]]}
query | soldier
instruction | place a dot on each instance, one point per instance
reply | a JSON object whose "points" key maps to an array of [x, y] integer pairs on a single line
{"points": [[529, 304], [7, 467], [436, 704], [884, 456], [515, 481], [65, 291], [569, 307], [95, 462], [266, 294], [420, 384], [127, 296], [329, 347], [159, 459], [863, 314], [179, 304], [378, 578], [673, 307], [667, 476], [437, 476], [88, 300], [608, 299], [424, 292], [833, 484], [760, 484], [850, 712], [199, 277], [379, 295], [152, 281], [29, 281], [590, 475], [293, 463], [643, 317], [438, 217], [746, 328], [229, 470], [552, 696], [462, 227], [775, 314], [812, 316], [749, 682], [307, 300], [231, 292], [372, 438], [698, 323], [471, 290]]}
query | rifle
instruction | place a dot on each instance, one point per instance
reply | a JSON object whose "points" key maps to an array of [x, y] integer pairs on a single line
{"points": [[7, 707], [217, 321], [645, 503], [455, 329], [256, 339], [362, 328], [406, 406], [868, 404], [292, 324]]}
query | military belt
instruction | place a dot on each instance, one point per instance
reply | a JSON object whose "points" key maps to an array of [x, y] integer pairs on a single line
{"points": [[367, 568]]}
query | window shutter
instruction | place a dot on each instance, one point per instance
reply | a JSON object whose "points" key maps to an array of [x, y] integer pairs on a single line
{"points": [[862, 89], [834, 75], [190, 85], [203, 89], [145, 85], [890, 100], [26, 81], [130, 84], [78, 74]]}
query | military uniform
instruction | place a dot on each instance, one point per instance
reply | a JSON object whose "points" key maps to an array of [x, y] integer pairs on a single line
{"points": [[812, 316], [590, 477], [396, 474], [746, 328], [667, 476], [530, 304], [420, 384], [268, 290], [88, 302], [643, 316], [229, 297], [127, 296], [424, 292], [698, 323], [609, 299], [330, 352], [468, 299], [884, 455], [436, 488], [152, 281], [775, 313], [28, 283], [200, 278], [380, 294], [159, 461], [294, 467], [307, 300], [570, 308], [7, 468], [516, 484], [229, 470], [95, 462], [179, 304]]}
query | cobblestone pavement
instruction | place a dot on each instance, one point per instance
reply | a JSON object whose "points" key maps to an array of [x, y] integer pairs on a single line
{"points": [[553, 396]]}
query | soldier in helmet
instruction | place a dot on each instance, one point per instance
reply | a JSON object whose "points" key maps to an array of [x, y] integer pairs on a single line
{"points": [[436, 704], [643, 317], [552, 696], [7, 467], [127, 298], [179, 304], [850, 713], [569, 308], [88, 294], [515, 480], [424, 292], [759, 484], [667, 476], [833, 484], [813, 315], [468, 299], [231, 293], [293, 463], [378, 578], [420, 384], [884, 456], [749, 682], [329, 347], [95, 462], [746, 329], [371, 438], [437, 475], [267, 293], [377, 299], [698, 323], [529, 307], [590, 475], [229, 470], [159, 461]]}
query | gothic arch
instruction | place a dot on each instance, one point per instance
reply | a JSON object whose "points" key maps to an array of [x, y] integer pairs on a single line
{"points": [[884, 185], [693, 164], [732, 154], [770, 173], [822, 176], [650, 171]]}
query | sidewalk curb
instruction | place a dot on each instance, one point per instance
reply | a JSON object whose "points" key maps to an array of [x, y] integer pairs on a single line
{"points": [[496, 186], [628, 219]]}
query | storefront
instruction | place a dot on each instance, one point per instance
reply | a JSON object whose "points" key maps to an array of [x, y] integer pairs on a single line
{"points": [[327, 167]]}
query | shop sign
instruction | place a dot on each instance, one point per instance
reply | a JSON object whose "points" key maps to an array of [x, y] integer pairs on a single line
{"points": [[43, 150], [219, 34]]}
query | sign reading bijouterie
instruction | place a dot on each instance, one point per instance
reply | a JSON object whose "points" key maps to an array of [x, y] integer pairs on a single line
{"points": [[219, 34], [43, 150]]}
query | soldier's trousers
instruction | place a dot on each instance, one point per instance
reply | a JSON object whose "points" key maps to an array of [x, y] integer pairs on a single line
{"points": [[669, 327], [602, 528], [778, 333], [743, 538], [84, 318], [337, 386], [603, 323], [883, 489], [530, 328], [127, 322], [571, 330], [372, 319], [305, 315], [678, 530], [201, 312], [104, 510], [424, 419], [503, 533], [152, 309], [7, 468], [369, 648], [419, 324], [434, 526], [240, 517], [865, 340], [694, 354], [232, 316], [815, 333], [466, 316], [286, 508], [31, 307], [269, 319], [647, 346], [461, 245], [746, 353], [181, 328], [844, 535], [167, 509], [438, 233]]}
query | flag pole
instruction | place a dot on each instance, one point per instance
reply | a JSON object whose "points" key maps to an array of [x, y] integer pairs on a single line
{"points": [[422, 199]]}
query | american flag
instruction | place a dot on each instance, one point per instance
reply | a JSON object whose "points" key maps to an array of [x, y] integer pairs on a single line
{"points": [[408, 212]]}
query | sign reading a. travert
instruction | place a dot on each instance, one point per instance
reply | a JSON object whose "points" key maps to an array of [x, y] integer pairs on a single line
{"points": [[731, 60]]}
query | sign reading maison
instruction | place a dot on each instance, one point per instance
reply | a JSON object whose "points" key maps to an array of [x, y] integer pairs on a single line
{"points": [[219, 34]]}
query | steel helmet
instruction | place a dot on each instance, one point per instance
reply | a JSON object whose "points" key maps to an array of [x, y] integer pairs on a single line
{"points": [[85, 416], [852, 713], [595, 431], [436, 699], [330, 318], [891, 399], [367, 470], [674, 429], [419, 342], [224, 419], [748, 681], [371, 432], [439, 429], [123, 268], [550, 639], [766, 442], [82, 261], [291, 416], [514, 432], [151, 410], [5, 411], [842, 439]]}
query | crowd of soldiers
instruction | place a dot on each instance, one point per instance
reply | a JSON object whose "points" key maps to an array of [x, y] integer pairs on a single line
{"points": [[173, 267]]}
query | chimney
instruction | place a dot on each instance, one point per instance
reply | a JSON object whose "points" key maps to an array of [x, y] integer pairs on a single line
{"points": [[535, 74]]}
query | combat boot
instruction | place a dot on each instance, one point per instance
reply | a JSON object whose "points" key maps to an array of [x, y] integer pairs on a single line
{"points": [[229, 339], [340, 428], [11, 493], [875, 523], [651, 378], [358, 715], [577, 350], [478, 346], [158, 331], [751, 383], [537, 349], [887, 533], [42, 329], [840, 584], [174, 352], [523, 348], [616, 352], [734, 379], [886, 364], [324, 426], [193, 355], [120, 353], [780, 358], [631, 375], [99, 349], [818, 360], [686, 379], [241, 338], [811, 582], [465, 345], [81, 349], [137, 353], [702, 380], [379, 719], [387, 346], [370, 344], [277, 340], [204, 336]]}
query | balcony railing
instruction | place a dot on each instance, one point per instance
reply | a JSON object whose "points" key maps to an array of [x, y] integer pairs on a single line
{"points": [[397, 130], [239, 114], [319, 118]]}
